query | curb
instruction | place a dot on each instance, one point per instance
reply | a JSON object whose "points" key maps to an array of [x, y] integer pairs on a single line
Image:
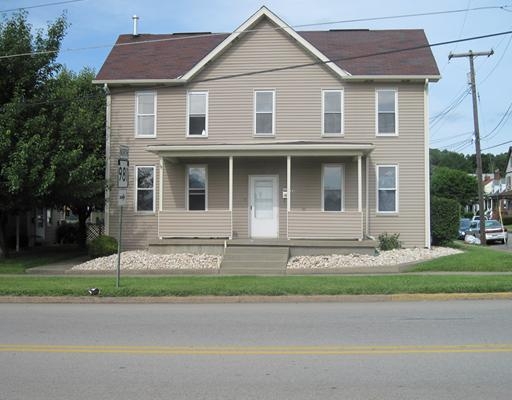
{"points": [[258, 299]]}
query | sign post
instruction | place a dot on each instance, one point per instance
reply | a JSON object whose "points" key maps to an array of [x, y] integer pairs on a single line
{"points": [[122, 185]]}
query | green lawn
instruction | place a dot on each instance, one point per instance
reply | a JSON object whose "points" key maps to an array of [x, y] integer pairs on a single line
{"points": [[474, 258], [19, 263], [249, 285]]}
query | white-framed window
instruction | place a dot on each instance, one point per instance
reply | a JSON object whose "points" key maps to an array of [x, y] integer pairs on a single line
{"points": [[387, 188], [145, 188], [145, 114], [264, 112], [332, 112], [332, 187], [197, 114], [197, 187], [386, 101]]}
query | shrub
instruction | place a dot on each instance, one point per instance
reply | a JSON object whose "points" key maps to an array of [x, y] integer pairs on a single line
{"points": [[468, 214], [444, 220], [389, 242], [507, 220], [67, 233], [102, 246]]}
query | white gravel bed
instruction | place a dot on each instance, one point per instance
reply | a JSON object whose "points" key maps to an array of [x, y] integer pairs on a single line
{"points": [[391, 257], [140, 260]]}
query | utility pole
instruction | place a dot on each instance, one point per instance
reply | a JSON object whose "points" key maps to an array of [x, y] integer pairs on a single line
{"points": [[471, 56]]}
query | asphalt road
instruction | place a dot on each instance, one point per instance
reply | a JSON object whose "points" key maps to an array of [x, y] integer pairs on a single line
{"points": [[409, 350]]}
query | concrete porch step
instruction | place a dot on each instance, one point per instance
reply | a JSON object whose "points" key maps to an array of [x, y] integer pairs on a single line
{"points": [[254, 260]]}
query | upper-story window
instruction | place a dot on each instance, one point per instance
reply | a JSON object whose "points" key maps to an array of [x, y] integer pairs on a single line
{"points": [[264, 112], [145, 188], [332, 187], [332, 116], [145, 112], [197, 114], [387, 100], [387, 188]]}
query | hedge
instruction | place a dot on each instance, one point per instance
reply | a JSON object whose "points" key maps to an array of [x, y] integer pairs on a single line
{"points": [[444, 220]]}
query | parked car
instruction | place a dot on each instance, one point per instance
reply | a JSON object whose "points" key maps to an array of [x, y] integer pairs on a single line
{"points": [[477, 218], [464, 224], [494, 231]]}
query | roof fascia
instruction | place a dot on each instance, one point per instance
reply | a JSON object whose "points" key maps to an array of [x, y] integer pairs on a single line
{"points": [[393, 78], [263, 12], [139, 82]]}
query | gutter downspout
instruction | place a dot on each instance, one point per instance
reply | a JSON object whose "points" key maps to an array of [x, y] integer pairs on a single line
{"points": [[427, 168], [107, 158]]}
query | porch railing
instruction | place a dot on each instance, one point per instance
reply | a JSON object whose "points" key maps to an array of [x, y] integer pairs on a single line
{"points": [[194, 224], [325, 225]]}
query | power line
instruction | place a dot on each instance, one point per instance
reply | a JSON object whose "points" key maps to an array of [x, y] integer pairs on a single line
{"points": [[41, 5], [504, 8], [497, 145], [278, 28], [320, 62]]}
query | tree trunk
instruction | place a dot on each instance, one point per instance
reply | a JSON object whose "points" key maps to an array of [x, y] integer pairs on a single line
{"points": [[4, 248], [83, 213]]}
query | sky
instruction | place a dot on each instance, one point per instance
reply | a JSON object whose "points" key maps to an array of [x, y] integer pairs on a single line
{"points": [[96, 24]]}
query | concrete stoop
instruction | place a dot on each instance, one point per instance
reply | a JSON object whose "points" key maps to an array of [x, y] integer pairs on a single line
{"points": [[255, 260]]}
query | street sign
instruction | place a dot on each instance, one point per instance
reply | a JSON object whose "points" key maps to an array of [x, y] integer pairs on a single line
{"points": [[121, 200], [122, 184], [122, 174], [122, 167]]}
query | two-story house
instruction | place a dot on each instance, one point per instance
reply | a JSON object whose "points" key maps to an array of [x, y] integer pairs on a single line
{"points": [[271, 133]]}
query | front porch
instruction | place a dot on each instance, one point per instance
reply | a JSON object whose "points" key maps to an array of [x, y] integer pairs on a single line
{"points": [[300, 224], [273, 191]]}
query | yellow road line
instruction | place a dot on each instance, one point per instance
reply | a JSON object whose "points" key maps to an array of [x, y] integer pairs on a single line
{"points": [[259, 350]]}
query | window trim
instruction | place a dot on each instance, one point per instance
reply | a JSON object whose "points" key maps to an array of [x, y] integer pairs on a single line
{"points": [[342, 105], [187, 169], [273, 133], [204, 92], [136, 208], [342, 186], [137, 114], [395, 91], [397, 185]]}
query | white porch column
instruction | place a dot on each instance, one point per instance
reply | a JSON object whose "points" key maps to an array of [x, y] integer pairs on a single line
{"points": [[288, 183], [359, 184], [161, 189], [231, 193]]}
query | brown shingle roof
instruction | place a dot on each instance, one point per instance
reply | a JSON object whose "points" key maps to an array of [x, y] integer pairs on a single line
{"points": [[171, 56]]}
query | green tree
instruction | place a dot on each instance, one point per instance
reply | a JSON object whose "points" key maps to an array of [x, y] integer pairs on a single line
{"points": [[76, 113], [453, 184], [25, 166], [450, 159]]}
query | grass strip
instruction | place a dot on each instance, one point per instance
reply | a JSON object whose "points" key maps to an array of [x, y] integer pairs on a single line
{"points": [[251, 285], [18, 264], [474, 259]]}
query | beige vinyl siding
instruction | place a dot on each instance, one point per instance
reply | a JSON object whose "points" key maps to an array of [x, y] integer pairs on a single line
{"points": [[307, 182], [195, 224], [138, 228], [298, 108], [242, 168], [325, 225], [407, 152], [174, 195]]}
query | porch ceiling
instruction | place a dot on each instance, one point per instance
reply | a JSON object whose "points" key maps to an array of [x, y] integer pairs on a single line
{"points": [[264, 149]]}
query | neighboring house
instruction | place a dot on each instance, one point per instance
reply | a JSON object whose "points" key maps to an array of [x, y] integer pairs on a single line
{"points": [[268, 132], [506, 194]]}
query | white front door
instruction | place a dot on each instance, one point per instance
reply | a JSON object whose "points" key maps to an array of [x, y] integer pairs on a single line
{"points": [[263, 206]]}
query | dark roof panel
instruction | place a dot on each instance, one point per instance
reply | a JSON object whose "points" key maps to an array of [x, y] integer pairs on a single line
{"points": [[359, 52]]}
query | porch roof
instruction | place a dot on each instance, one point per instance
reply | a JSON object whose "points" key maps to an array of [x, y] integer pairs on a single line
{"points": [[263, 149]]}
